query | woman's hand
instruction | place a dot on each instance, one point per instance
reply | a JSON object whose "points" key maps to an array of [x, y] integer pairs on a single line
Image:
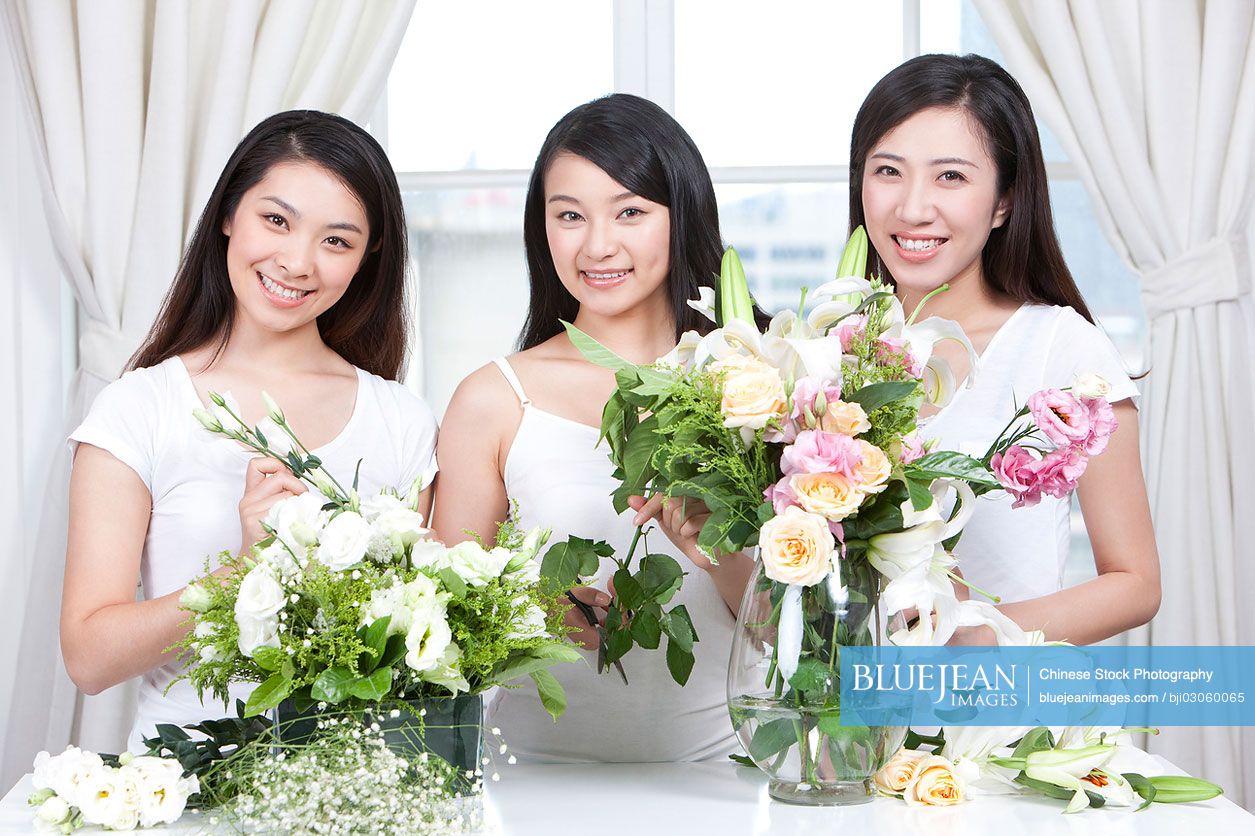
{"points": [[584, 634], [680, 519], [266, 482]]}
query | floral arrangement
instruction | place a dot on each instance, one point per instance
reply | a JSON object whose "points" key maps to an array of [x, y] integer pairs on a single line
{"points": [[969, 761], [348, 602], [78, 788]]}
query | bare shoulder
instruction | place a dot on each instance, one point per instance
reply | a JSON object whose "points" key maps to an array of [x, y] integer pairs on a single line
{"points": [[484, 391]]}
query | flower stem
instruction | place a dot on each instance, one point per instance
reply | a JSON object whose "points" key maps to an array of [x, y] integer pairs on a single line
{"points": [[995, 598], [920, 306]]}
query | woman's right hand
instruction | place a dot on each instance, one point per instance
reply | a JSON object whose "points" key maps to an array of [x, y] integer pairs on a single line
{"points": [[266, 482], [585, 634]]}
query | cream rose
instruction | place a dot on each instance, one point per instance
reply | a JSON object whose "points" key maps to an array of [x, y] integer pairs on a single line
{"points": [[753, 392], [796, 547], [934, 784], [830, 495], [846, 418], [898, 772], [872, 473]]}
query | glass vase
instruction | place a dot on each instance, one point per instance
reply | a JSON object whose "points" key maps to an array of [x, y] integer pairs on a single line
{"points": [[791, 725]]}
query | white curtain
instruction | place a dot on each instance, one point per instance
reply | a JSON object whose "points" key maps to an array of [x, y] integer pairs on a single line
{"points": [[133, 106], [1155, 105]]}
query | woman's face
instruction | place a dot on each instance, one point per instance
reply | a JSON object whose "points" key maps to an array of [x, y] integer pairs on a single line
{"points": [[296, 240], [610, 247], [930, 199]]}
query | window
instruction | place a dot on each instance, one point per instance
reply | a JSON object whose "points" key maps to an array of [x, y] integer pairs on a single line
{"points": [[768, 93]]}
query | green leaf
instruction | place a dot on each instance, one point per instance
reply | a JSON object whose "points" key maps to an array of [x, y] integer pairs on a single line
{"points": [[267, 695], [593, 351], [454, 583], [394, 651], [811, 676], [772, 738], [552, 697], [533, 659], [332, 685], [659, 574], [830, 722], [921, 497], [1095, 800], [628, 590], [1038, 739], [618, 641], [638, 453], [679, 629], [875, 395], [743, 760], [680, 613], [679, 661], [375, 637], [269, 658], [1142, 787], [654, 383], [945, 464], [646, 630], [374, 687]]}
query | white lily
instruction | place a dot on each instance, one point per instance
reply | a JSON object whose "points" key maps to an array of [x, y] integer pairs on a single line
{"points": [[789, 638], [685, 352], [737, 337], [704, 304], [922, 339], [969, 748], [852, 289], [1066, 767], [896, 552]]}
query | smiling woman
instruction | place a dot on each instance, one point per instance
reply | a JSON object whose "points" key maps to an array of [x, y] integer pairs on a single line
{"points": [[292, 284]]}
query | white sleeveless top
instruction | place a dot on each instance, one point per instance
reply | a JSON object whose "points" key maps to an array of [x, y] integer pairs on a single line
{"points": [[560, 476], [1019, 553]]}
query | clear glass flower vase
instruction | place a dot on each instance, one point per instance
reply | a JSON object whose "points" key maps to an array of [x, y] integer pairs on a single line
{"points": [[791, 727]]}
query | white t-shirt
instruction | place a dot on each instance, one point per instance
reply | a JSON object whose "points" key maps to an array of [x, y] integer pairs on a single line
{"points": [[1020, 553], [196, 479]]}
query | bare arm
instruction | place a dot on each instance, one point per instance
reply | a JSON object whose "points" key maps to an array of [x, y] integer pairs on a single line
{"points": [[1126, 592], [107, 636]]}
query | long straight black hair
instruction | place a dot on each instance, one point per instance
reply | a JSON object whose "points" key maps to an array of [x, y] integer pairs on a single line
{"points": [[641, 146], [368, 325], [1022, 257]]}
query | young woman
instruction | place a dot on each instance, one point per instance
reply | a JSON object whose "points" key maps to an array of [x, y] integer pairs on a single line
{"points": [[621, 228], [293, 283], [946, 173]]}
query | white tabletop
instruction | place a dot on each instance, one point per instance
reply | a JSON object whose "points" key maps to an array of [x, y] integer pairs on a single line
{"points": [[722, 798]]}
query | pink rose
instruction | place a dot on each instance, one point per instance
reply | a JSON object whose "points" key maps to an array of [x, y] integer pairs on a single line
{"points": [[1015, 470], [1102, 423], [912, 448], [1061, 417], [816, 451], [804, 392], [849, 328], [1059, 470]]}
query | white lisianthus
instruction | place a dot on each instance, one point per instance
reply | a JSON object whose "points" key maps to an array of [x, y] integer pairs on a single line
{"points": [[344, 541], [281, 561], [527, 572], [54, 810], [257, 632], [400, 601], [1090, 385], [427, 637], [273, 412], [162, 789], [195, 598], [531, 626], [429, 555], [322, 480], [65, 773], [220, 412], [109, 800], [475, 564], [381, 503], [298, 520], [260, 595], [276, 439], [447, 671], [400, 525]]}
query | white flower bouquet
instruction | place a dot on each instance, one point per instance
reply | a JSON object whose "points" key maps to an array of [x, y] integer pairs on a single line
{"points": [[78, 788]]}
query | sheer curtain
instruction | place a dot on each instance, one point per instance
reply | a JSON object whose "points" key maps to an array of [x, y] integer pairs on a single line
{"points": [[1155, 104], [132, 107]]}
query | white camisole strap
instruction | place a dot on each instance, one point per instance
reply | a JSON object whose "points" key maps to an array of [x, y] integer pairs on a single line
{"points": [[507, 371]]}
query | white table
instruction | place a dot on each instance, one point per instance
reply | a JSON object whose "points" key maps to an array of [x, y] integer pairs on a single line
{"points": [[722, 798]]}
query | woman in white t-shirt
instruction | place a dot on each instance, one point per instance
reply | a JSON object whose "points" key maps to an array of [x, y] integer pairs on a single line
{"points": [[947, 176], [293, 283]]}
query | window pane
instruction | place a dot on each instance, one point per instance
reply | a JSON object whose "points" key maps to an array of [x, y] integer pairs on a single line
{"points": [[779, 83], [789, 236], [467, 246], [478, 84]]}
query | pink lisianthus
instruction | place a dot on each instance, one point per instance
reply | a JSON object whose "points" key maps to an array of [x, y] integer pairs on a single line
{"points": [[816, 451], [804, 392], [781, 495], [1015, 470], [1062, 417], [1102, 423], [1059, 471], [849, 328], [895, 349], [912, 448]]}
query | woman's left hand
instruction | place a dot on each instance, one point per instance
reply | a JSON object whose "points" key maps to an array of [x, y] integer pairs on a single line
{"points": [[680, 519]]}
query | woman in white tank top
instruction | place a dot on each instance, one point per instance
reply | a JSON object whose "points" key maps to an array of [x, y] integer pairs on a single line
{"points": [[621, 228]]}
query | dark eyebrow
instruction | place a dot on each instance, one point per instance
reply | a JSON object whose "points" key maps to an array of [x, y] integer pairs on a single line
{"points": [[291, 210], [952, 161], [563, 198], [624, 196], [885, 155]]}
